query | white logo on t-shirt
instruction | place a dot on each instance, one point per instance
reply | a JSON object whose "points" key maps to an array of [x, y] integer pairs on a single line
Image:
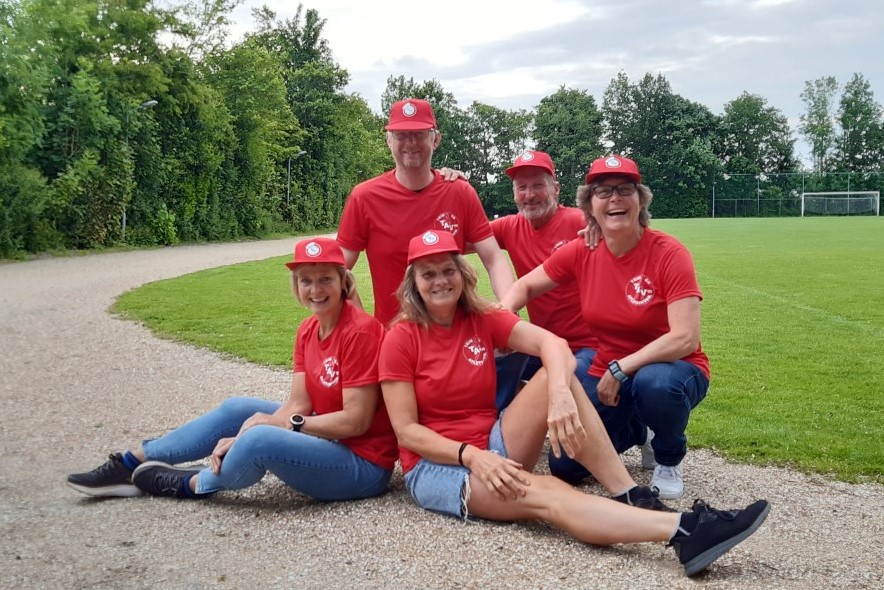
{"points": [[448, 222], [558, 245], [475, 351], [331, 372], [639, 290]]}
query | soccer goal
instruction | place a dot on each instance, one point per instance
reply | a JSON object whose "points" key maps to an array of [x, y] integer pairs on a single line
{"points": [[841, 203]]}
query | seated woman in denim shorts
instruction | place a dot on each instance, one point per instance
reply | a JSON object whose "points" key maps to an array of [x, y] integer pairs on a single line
{"points": [[459, 457], [331, 440]]}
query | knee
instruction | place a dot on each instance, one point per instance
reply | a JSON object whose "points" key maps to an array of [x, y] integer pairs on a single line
{"points": [[258, 440], [243, 407]]}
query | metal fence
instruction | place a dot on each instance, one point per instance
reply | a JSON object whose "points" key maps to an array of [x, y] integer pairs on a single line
{"points": [[779, 195]]}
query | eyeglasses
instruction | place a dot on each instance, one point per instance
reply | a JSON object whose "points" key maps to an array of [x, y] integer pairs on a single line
{"points": [[604, 191], [412, 135]]}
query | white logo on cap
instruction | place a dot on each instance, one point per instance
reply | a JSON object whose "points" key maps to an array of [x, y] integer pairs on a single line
{"points": [[612, 162], [409, 110], [527, 157], [429, 238], [313, 250]]}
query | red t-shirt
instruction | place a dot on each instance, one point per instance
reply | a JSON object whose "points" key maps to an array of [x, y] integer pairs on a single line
{"points": [[381, 216], [558, 310], [624, 300], [452, 370], [346, 358]]}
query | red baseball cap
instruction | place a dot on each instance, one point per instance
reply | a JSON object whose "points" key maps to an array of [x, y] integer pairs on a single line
{"points": [[534, 159], [315, 251], [613, 165], [431, 242], [411, 114]]}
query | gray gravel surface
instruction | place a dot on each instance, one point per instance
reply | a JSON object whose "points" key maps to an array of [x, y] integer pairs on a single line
{"points": [[76, 384]]}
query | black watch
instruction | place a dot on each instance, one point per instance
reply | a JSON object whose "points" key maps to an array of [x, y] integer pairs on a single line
{"points": [[617, 372], [297, 421]]}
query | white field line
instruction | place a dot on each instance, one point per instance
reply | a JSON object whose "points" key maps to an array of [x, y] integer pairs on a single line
{"points": [[815, 311]]}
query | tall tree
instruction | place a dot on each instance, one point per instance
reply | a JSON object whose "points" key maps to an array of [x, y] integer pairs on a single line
{"points": [[495, 136], [754, 137], [860, 145], [568, 126], [818, 123], [669, 137]]}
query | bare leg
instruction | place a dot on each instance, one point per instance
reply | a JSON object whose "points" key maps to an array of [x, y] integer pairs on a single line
{"points": [[524, 428], [587, 518]]}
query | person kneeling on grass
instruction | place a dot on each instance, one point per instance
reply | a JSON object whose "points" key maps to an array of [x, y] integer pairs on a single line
{"points": [[460, 457], [332, 440]]}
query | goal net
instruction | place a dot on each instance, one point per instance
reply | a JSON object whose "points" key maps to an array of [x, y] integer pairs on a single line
{"points": [[841, 203]]}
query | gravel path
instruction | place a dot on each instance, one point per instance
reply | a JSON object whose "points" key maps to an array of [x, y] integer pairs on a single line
{"points": [[76, 384]]}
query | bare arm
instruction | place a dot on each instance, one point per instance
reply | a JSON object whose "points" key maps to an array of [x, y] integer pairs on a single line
{"points": [[501, 476], [499, 270], [532, 285], [682, 339], [563, 420]]}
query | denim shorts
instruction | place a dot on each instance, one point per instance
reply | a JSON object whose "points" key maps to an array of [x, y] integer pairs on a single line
{"points": [[446, 488]]}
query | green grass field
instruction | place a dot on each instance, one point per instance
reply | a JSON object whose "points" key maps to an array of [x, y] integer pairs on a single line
{"points": [[793, 322]]}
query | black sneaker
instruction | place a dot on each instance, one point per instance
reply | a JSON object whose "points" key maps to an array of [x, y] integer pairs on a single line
{"points": [[716, 533], [643, 497], [111, 479], [161, 479]]}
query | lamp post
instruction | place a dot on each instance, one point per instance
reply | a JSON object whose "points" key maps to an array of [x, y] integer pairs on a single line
{"points": [[288, 188], [147, 104]]}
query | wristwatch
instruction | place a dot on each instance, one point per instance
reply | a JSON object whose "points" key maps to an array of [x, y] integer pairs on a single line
{"points": [[297, 421], [617, 372]]}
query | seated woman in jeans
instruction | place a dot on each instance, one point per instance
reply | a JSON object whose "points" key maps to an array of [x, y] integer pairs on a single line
{"points": [[331, 440], [459, 457], [640, 296]]}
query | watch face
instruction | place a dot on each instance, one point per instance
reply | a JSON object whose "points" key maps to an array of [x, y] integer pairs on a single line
{"points": [[297, 422]]}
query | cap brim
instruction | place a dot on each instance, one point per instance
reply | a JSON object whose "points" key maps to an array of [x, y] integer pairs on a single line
{"points": [[409, 126], [633, 177], [513, 169]]}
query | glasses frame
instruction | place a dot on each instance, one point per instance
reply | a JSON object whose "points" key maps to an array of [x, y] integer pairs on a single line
{"points": [[605, 192], [405, 135]]}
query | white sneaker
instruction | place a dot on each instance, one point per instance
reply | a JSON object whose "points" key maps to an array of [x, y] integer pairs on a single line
{"points": [[648, 461], [668, 481]]}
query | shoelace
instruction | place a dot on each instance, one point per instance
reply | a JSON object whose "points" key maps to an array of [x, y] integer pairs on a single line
{"points": [[667, 472], [107, 466]]}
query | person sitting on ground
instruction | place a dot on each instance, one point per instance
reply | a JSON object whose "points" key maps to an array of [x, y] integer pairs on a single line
{"points": [[460, 457], [639, 295], [332, 440]]}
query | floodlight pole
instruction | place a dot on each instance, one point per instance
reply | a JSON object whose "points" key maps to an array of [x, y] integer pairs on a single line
{"points": [[713, 199]]}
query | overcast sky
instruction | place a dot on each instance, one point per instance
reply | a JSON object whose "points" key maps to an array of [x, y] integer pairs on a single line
{"points": [[511, 54]]}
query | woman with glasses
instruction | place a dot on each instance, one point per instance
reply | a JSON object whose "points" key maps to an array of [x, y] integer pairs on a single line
{"points": [[639, 294], [460, 457]]}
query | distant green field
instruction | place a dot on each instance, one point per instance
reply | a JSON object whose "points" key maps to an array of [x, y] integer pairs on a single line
{"points": [[793, 322]]}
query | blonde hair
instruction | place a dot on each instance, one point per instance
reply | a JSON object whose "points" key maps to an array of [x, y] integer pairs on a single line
{"points": [[348, 282], [645, 196], [411, 304]]}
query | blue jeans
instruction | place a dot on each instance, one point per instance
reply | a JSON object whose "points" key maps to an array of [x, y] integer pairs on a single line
{"points": [[508, 380], [660, 396], [322, 469], [509, 375]]}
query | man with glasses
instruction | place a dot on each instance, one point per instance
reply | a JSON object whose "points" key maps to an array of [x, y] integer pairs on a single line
{"points": [[541, 227], [382, 214], [640, 296]]}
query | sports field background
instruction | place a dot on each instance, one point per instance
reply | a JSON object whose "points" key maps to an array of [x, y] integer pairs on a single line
{"points": [[793, 322]]}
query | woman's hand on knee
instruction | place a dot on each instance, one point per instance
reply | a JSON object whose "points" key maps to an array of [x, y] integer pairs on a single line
{"points": [[259, 418], [218, 454], [566, 432], [502, 477]]}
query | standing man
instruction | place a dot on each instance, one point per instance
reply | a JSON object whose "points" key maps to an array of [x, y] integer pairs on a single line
{"points": [[382, 214], [541, 227]]}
